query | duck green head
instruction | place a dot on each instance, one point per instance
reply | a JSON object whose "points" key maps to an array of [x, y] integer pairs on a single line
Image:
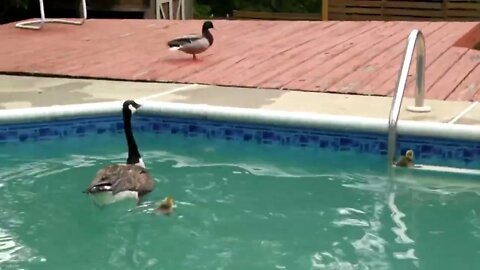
{"points": [[409, 154], [207, 25]]}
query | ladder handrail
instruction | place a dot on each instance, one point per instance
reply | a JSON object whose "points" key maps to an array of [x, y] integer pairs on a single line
{"points": [[415, 41]]}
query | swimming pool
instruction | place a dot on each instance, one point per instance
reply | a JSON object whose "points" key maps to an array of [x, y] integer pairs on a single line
{"points": [[249, 196]]}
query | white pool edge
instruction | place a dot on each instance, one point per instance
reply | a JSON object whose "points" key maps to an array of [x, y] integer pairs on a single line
{"points": [[343, 123]]}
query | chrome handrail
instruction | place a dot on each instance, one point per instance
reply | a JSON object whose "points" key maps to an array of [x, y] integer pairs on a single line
{"points": [[415, 40]]}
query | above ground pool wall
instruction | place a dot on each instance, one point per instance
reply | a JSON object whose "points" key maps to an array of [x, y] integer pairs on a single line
{"points": [[433, 143]]}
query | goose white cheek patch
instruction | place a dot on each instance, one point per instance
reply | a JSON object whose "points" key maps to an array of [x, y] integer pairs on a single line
{"points": [[131, 108]]}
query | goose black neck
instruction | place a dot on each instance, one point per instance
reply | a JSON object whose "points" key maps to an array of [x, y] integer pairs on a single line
{"points": [[133, 154], [206, 33]]}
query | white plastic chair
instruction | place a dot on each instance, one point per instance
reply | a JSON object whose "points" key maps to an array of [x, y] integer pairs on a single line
{"points": [[38, 23], [161, 13]]}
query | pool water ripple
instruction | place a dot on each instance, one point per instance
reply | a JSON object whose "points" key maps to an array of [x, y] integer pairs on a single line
{"points": [[238, 207]]}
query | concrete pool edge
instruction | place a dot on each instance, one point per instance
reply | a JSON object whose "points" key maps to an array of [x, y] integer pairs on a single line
{"points": [[248, 115], [32, 91]]}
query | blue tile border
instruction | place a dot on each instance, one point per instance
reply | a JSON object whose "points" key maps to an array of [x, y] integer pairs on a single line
{"points": [[428, 150], [58, 129]]}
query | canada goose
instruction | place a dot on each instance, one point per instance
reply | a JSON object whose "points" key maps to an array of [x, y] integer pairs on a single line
{"points": [[407, 160], [193, 43], [120, 181], [166, 207]]}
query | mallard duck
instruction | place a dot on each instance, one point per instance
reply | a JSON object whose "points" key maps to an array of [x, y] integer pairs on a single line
{"points": [[120, 181], [166, 207], [407, 160], [194, 44]]}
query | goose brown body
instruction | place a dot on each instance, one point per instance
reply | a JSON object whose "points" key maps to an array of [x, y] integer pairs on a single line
{"points": [[119, 177]]}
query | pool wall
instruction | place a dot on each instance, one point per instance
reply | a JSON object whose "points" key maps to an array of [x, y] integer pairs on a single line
{"points": [[434, 143]]}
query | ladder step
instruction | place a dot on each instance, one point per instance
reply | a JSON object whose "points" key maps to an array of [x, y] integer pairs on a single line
{"points": [[444, 169]]}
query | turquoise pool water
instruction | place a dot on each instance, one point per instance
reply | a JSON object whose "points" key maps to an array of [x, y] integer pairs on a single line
{"points": [[240, 206]]}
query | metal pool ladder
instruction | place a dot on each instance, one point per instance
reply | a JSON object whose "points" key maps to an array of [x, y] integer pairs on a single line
{"points": [[415, 41]]}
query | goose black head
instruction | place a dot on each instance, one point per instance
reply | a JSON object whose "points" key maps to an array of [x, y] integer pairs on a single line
{"points": [[207, 25], [130, 106]]}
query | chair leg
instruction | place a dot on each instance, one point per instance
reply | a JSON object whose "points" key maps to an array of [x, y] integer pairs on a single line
{"points": [[162, 14], [170, 9], [38, 23], [180, 14], [183, 9], [179, 6]]}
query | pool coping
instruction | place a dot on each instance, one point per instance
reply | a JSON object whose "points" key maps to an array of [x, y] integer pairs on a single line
{"points": [[246, 115]]}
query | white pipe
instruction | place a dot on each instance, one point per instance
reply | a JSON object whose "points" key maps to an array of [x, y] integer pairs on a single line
{"points": [[246, 115]]}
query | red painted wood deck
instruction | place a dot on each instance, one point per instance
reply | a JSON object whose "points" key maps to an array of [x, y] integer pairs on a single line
{"points": [[342, 57]]}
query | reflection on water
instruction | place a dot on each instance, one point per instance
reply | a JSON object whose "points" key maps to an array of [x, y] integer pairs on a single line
{"points": [[8, 247], [238, 208]]}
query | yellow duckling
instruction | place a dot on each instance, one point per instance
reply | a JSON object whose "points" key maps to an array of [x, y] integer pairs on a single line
{"points": [[407, 160], [166, 207]]}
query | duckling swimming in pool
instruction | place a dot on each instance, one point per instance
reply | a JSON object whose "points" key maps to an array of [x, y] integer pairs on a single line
{"points": [[166, 207], [406, 160]]}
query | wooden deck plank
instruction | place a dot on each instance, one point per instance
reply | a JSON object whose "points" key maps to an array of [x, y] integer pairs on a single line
{"points": [[376, 68], [384, 84], [319, 44], [255, 51], [156, 58], [250, 54], [152, 46], [333, 57], [472, 81], [224, 46], [300, 55], [446, 85], [469, 89], [233, 74], [303, 61], [442, 66], [91, 48], [95, 59], [331, 72], [301, 75], [434, 49], [214, 71], [156, 51]]}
